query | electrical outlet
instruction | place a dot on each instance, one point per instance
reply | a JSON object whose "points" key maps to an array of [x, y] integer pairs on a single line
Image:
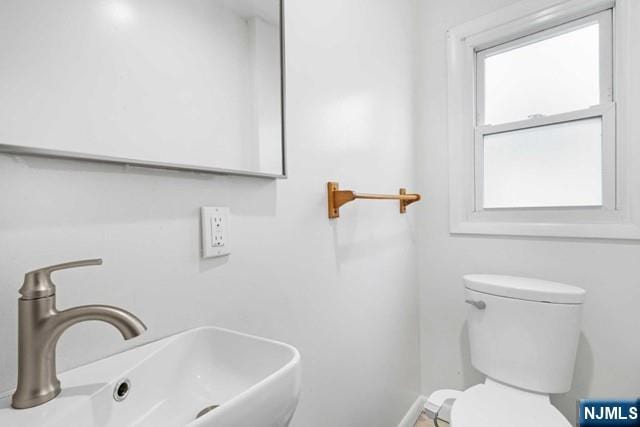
{"points": [[215, 231], [216, 222]]}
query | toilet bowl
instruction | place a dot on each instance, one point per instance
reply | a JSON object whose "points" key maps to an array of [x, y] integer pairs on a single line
{"points": [[523, 335], [497, 405]]}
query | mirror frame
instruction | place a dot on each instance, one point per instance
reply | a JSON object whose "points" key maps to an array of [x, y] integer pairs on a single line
{"points": [[72, 155]]}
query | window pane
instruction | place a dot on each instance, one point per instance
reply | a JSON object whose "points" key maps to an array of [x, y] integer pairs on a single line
{"points": [[546, 77], [555, 165]]}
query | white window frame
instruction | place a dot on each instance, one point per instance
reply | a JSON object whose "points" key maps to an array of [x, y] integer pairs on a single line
{"points": [[605, 110], [526, 22]]}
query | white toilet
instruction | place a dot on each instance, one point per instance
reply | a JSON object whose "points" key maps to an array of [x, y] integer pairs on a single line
{"points": [[523, 336]]}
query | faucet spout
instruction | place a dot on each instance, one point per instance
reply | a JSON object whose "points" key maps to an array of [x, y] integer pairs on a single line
{"points": [[40, 327], [127, 323]]}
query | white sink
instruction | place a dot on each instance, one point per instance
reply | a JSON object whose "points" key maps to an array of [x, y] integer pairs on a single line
{"points": [[255, 381]]}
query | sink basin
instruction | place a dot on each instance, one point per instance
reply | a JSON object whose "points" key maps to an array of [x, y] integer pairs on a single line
{"points": [[252, 381]]}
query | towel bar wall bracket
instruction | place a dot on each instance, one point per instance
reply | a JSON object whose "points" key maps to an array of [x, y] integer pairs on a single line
{"points": [[336, 198]]}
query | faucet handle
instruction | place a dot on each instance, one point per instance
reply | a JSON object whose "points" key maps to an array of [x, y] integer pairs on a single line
{"points": [[38, 284], [67, 265]]}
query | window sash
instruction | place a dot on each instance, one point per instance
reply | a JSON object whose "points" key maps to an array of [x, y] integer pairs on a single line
{"points": [[605, 112], [605, 21]]}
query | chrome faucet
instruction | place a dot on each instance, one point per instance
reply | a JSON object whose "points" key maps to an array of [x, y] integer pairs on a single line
{"points": [[40, 325]]}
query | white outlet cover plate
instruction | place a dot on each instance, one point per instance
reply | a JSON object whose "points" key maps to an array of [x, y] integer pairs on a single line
{"points": [[214, 223]]}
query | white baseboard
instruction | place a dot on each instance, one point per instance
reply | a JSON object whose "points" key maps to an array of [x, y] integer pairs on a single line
{"points": [[414, 411]]}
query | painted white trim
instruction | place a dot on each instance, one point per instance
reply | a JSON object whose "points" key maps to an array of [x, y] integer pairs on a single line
{"points": [[587, 230], [587, 113], [525, 17], [413, 413], [619, 219]]}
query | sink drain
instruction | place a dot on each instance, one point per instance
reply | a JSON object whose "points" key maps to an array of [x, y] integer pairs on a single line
{"points": [[121, 390], [206, 410]]}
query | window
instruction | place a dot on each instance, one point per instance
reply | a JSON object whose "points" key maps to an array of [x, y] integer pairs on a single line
{"points": [[541, 105], [534, 126]]}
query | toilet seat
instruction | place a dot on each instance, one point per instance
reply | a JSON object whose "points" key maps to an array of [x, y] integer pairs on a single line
{"points": [[493, 404]]}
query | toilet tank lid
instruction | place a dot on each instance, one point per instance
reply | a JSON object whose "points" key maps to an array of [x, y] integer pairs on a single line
{"points": [[525, 288]]}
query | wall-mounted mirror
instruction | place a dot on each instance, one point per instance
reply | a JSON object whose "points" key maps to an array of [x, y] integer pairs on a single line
{"points": [[180, 84]]}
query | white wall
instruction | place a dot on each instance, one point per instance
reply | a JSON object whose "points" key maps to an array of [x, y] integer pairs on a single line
{"points": [[344, 292], [607, 364]]}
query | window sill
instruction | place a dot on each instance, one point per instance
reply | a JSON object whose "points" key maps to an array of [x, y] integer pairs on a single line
{"points": [[622, 230]]}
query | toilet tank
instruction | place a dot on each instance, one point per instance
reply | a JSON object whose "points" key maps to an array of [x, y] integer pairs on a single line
{"points": [[524, 332]]}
